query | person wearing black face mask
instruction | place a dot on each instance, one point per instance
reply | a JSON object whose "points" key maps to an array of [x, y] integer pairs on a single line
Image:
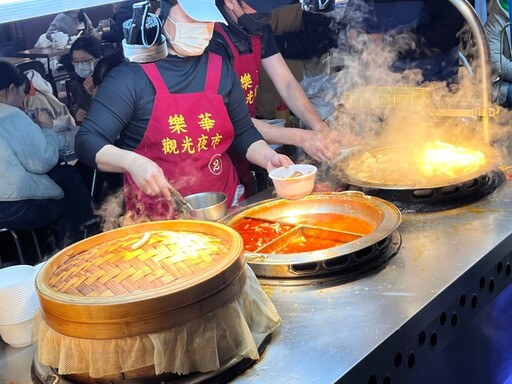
{"points": [[249, 41], [254, 23]]}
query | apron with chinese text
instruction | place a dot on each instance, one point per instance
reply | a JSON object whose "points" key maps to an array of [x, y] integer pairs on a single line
{"points": [[248, 69], [187, 136]]}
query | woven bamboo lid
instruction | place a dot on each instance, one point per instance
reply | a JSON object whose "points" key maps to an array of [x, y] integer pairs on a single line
{"points": [[141, 279]]}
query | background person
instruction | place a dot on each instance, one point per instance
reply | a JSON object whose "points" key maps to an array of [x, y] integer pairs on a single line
{"points": [[103, 68], [303, 38], [42, 106], [35, 191], [421, 35], [498, 34], [71, 23], [175, 119], [85, 53], [123, 11]]}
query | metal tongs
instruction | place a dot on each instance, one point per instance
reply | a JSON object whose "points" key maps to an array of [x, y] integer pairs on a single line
{"points": [[181, 203]]}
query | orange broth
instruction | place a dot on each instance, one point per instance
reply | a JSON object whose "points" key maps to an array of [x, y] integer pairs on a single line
{"points": [[335, 221], [307, 244], [257, 233]]}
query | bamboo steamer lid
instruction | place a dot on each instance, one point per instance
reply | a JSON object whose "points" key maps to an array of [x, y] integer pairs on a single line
{"points": [[141, 279]]}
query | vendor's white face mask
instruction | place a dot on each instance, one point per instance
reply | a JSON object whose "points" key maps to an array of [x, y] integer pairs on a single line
{"points": [[191, 39]]}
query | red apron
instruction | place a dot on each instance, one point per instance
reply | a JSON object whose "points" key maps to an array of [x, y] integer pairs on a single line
{"points": [[248, 68], [187, 136]]}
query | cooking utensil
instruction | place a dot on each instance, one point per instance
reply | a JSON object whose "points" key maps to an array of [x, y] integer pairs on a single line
{"points": [[209, 206], [266, 261], [182, 203], [101, 288], [408, 178]]}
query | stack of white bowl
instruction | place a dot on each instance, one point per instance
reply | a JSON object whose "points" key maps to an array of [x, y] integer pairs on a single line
{"points": [[18, 303]]}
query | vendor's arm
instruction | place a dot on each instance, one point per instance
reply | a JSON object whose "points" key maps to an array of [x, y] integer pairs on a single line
{"points": [[111, 111], [148, 176], [291, 91], [317, 144], [248, 140], [261, 154]]}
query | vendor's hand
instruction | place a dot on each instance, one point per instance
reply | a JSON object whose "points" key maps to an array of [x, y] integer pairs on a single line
{"points": [[89, 86], [346, 140], [149, 177], [277, 160], [321, 127], [80, 115], [320, 145]]}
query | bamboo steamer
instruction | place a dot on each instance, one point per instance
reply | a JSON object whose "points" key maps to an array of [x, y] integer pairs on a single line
{"points": [[123, 283]]}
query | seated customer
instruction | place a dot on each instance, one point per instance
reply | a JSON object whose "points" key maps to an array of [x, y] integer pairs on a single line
{"points": [[102, 69], [35, 192], [107, 183], [71, 23], [122, 11], [85, 53], [42, 106]]}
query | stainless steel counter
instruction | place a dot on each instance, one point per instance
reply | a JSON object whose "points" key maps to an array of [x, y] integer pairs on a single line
{"points": [[383, 327], [447, 268]]}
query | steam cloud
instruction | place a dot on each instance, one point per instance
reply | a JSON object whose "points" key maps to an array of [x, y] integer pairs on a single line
{"points": [[422, 111]]}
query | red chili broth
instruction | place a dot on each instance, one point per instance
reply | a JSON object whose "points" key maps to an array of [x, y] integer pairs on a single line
{"points": [[257, 233]]}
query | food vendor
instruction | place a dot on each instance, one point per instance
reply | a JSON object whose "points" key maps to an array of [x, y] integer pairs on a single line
{"points": [[248, 41], [174, 118]]}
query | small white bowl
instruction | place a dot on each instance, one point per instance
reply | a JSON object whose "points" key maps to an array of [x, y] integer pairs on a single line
{"points": [[11, 278], [294, 187], [17, 335]]}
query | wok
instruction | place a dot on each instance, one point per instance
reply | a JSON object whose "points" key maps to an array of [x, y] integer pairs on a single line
{"points": [[404, 173]]}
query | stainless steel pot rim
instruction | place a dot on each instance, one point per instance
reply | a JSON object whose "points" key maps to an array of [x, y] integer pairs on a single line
{"points": [[391, 219]]}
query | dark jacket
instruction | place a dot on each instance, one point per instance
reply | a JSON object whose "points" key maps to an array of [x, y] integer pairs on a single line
{"points": [[428, 41], [115, 34]]}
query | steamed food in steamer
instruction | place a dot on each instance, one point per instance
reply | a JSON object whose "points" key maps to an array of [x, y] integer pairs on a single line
{"points": [[416, 164]]}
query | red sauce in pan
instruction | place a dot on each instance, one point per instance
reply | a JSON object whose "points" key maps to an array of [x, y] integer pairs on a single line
{"points": [[257, 233]]}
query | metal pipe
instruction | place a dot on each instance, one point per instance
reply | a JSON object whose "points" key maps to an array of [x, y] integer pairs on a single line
{"points": [[476, 26]]}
